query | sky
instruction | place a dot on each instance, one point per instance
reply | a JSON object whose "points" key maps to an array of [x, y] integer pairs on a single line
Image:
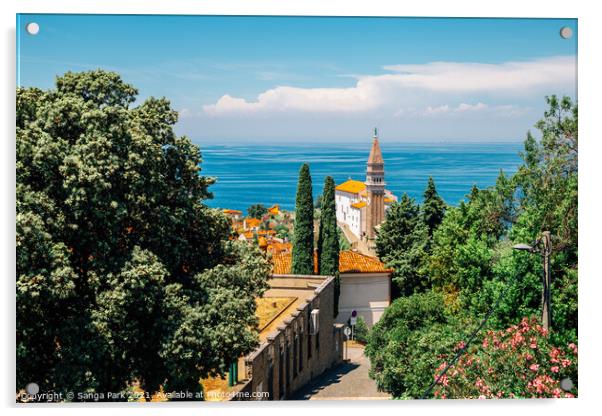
{"points": [[319, 79]]}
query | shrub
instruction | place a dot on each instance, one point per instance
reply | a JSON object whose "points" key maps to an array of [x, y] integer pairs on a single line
{"points": [[361, 330], [519, 362]]}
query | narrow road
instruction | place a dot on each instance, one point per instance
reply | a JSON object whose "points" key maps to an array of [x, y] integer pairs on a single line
{"points": [[347, 381]]}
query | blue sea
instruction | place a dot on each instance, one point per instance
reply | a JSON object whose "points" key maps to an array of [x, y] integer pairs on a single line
{"points": [[267, 174]]}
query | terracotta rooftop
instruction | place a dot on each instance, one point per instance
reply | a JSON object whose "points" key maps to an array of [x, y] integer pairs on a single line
{"points": [[358, 205], [232, 211], [276, 247], [349, 262], [351, 186], [252, 222]]}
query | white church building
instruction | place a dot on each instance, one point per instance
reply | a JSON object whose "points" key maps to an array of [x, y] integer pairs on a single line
{"points": [[362, 205]]}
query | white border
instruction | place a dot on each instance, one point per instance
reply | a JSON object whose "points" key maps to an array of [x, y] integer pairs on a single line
{"points": [[589, 165]]}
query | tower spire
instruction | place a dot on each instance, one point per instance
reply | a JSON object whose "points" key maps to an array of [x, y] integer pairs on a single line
{"points": [[375, 185], [376, 156]]}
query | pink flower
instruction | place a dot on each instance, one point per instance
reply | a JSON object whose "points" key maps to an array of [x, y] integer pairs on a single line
{"points": [[482, 397], [554, 369], [534, 367], [565, 363]]}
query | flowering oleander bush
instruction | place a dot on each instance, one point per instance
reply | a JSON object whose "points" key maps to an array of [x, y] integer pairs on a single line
{"points": [[519, 362]]}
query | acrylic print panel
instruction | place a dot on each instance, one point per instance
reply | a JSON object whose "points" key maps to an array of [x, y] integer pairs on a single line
{"points": [[264, 208]]}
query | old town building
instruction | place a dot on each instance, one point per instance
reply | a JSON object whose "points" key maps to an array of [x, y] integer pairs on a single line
{"points": [[361, 206]]}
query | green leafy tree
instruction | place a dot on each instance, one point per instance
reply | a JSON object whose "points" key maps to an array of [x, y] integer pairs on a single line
{"points": [[328, 239], [303, 235], [123, 274], [282, 231], [433, 207], [471, 266], [257, 211], [401, 244], [404, 346]]}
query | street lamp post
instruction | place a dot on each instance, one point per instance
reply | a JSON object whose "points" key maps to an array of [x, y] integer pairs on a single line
{"points": [[543, 247]]}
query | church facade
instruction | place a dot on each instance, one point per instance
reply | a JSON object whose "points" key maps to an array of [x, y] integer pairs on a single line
{"points": [[361, 206]]}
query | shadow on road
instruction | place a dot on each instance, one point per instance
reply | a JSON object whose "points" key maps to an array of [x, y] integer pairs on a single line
{"points": [[330, 377]]}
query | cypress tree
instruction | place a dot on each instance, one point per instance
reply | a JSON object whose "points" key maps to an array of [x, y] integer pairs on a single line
{"points": [[328, 239], [303, 239], [433, 208]]}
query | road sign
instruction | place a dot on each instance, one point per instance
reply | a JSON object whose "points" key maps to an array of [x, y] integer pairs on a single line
{"points": [[347, 331]]}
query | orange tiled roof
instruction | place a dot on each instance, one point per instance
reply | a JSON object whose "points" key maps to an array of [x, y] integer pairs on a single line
{"points": [[351, 186], [349, 262], [358, 205], [232, 211], [252, 222], [275, 210], [389, 200], [248, 235], [276, 247], [266, 232]]}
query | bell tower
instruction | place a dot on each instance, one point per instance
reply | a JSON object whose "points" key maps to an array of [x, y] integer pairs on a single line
{"points": [[375, 187]]}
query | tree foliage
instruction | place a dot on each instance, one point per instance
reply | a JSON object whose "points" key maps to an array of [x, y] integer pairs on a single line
{"points": [[433, 207], [401, 244], [123, 274], [517, 362], [303, 234], [328, 239], [470, 261], [361, 332], [404, 346], [257, 211]]}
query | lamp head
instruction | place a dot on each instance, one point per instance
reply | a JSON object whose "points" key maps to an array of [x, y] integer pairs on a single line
{"points": [[523, 247]]}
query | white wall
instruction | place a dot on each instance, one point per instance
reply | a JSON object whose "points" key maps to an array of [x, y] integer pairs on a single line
{"points": [[347, 214], [366, 293]]}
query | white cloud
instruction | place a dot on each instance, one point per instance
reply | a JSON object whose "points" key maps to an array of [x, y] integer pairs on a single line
{"points": [[406, 85], [471, 107], [436, 110], [512, 77]]}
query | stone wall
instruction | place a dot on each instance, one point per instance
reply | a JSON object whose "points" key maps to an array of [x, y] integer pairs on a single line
{"points": [[291, 356]]}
